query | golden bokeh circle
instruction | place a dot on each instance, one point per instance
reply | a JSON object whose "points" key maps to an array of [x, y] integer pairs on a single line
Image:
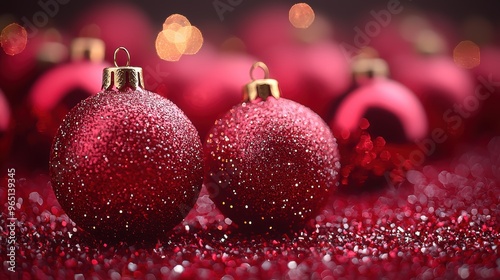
{"points": [[301, 15], [467, 54], [13, 39]]}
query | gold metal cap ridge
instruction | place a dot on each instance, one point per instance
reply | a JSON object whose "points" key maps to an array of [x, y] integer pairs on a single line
{"points": [[122, 77], [262, 88]]}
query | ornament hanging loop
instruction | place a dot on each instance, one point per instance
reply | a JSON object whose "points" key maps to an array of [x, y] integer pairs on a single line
{"points": [[261, 65], [116, 52], [122, 77], [260, 88]]}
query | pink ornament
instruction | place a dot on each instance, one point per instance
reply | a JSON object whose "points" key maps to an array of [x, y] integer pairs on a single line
{"points": [[377, 125], [390, 96], [51, 99]]}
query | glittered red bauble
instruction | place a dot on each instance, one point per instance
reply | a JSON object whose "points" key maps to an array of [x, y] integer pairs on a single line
{"points": [[126, 165], [270, 164]]}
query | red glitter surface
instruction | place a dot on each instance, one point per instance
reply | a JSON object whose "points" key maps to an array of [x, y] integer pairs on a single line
{"points": [[441, 223]]}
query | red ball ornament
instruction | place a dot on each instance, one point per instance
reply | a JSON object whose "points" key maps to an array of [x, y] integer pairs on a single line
{"points": [[126, 163], [271, 163], [376, 125]]}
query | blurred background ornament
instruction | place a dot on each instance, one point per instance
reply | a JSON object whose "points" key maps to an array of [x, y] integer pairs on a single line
{"points": [[377, 123], [305, 60], [117, 24], [271, 163], [51, 97], [17, 74], [443, 87]]}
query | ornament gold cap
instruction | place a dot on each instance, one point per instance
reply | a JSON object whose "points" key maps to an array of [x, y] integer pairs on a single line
{"points": [[368, 65], [121, 77], [86, 48], [260, 88]]}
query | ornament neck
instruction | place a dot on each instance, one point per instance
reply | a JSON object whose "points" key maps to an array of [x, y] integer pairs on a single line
{"points": [[261, 88], [89, 49], [368, 65], [122, 77]]}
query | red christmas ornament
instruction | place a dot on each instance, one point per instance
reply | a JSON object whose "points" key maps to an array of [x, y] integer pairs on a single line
{"points": [[375, 125], [271, 163], [126, 164]]}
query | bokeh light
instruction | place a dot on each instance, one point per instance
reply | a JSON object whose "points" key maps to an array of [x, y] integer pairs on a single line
{"points": [[13, 39], [166, 48], [178, 38], [301, 15], [467, 55], [176, 19], [194, 41]]}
